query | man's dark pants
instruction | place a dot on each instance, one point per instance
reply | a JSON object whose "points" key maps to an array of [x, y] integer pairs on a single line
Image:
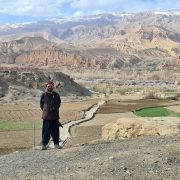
{"points": [[50, 128]]}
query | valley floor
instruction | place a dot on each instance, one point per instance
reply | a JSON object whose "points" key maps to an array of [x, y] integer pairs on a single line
{"points": [[149, 157]]}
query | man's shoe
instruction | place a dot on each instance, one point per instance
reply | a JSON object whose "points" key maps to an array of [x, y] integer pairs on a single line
{"points": [[44, 147], [57, 146]]}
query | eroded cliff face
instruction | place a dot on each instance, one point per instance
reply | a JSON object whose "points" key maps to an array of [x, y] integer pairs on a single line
{"points": [[54, 57], [10, 50], [38, 53]]}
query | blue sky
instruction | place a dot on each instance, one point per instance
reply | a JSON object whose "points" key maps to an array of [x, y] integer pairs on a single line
{"points": [[15, 11]]}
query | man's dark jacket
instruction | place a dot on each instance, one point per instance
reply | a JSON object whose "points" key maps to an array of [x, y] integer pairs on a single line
{"points": [[50, 104]]}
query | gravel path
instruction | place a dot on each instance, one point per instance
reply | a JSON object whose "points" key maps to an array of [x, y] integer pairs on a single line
{"points": [[144, 158]]}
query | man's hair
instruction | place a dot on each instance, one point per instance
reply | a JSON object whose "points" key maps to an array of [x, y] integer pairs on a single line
{"points": [[49, 82]]}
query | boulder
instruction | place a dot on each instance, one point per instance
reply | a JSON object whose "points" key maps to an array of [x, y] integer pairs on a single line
{"points": [[133, 127]]}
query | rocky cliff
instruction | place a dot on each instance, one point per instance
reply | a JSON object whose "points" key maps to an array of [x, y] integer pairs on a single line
{"points": [[33, 52]]}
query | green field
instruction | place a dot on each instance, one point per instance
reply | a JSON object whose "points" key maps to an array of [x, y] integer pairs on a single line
{"points": [[156, 112], [14, 126]]}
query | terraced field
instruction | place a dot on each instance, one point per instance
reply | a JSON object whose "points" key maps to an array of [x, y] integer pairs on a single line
{"points": [[17, 122]]}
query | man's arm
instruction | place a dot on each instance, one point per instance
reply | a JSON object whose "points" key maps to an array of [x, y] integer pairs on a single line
{"points": [[59, 101], [42, 101]]}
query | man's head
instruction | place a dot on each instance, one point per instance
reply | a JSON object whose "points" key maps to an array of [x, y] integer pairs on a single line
{"points": [[49, 86]]}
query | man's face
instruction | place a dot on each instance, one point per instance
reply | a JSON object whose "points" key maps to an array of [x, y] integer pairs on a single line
{"points": [[49, 87]]}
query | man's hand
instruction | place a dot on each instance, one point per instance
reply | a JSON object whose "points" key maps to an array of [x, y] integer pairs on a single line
{"points": [[60, 125]]}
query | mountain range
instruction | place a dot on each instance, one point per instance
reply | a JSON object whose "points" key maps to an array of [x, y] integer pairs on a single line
{"points": [[106, 41]]}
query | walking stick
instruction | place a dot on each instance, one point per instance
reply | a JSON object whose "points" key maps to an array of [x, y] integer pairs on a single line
{"points": [[34, 134]]}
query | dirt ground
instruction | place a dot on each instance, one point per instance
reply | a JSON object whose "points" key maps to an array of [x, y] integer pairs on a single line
{"points": [[141, 158], [174, 108]]}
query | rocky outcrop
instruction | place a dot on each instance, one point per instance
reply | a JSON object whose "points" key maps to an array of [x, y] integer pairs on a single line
{"points": [[133, 127], [28, 85]]}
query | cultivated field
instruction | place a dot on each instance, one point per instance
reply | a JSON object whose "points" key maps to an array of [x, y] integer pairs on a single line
{"points": [[122, 106], [21, 118], [114, 109], [17, 121]]}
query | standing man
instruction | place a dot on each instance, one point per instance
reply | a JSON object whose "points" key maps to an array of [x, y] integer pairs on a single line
{"points": [[50, 103]]}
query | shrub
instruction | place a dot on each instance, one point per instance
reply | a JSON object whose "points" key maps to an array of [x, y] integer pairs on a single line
{"points": [[150, 95]]}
